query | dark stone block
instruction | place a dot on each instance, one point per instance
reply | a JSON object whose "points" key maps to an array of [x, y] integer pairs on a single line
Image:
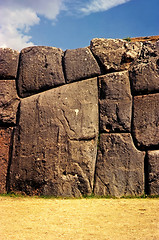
{"points": [[8, 63], [144, 73], [115, 102], [80, 64], [153, 169], [9, 102], [119, 167], [40, 69], [55, 143], [146, 121]]}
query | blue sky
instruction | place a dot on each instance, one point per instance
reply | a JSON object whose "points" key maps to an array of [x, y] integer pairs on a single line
{"points": [[69, 24]]}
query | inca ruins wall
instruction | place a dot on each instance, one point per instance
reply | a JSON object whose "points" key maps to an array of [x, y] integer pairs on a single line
{"points": [[81, 121]]}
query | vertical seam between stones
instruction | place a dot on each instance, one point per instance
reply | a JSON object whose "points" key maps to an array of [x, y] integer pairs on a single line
{"points": [[146, 175], [63, 67], [98, 140], [17, 76]]}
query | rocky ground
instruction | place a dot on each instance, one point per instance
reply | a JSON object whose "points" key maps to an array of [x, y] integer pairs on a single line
{"points": [[81, 219]]}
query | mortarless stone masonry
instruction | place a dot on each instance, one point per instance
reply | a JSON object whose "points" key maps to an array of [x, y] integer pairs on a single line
{"points": [[57, 123]]}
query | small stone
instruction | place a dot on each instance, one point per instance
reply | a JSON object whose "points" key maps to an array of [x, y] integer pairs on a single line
{"points": [[9, 102], [8, 63], [40, 69], [80, 64], [119, 167]]}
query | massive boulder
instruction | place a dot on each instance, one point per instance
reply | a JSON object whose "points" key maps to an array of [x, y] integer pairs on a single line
{"points": [[120, 166], [9, 102], [115, 102], [56, 141], [5, 154], [40, 69], [146, 121], [115, 54], [80, 64], [153, 172], [8, 63], [144, 72]]}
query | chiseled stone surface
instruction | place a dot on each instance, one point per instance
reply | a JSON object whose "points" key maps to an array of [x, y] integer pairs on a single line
{"points": [[80, 64], [56, 141], [9, 102], [5, 145], [153, 169], [40, 69], [115, 54], [115, 102], [146, 121], [8, 63], [144, 72], [120, 166]]}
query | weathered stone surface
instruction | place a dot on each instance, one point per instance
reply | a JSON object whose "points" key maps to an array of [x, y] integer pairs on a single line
{"points": [[144, 73], [153, 169], [115, 102], [119, 167], [5, 146], [146, 121], [9, 102], [8, 63], [40, 69], [56, 142], [80, 64], [115, 54]]}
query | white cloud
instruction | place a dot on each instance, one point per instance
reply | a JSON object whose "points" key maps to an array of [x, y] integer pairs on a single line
{"points": [[18, 16], [101, 5]]}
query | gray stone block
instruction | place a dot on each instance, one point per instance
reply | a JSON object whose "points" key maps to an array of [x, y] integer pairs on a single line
{"points": [[9, 102], [115, 102], [115, 54], [8, 63], [119, 167], [144, 72], [40, 69], [146, 121], [55, 144], [80, 64], [153, 172]]}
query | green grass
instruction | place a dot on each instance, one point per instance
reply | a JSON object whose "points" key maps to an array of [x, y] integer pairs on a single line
{"points": [[128, 39], [92, 196]]}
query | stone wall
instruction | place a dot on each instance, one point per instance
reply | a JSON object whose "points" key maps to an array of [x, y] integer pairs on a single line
{"points": [[81, 121]]}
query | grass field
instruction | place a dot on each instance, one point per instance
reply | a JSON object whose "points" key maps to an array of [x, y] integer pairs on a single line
{"points": [[78, 219]]}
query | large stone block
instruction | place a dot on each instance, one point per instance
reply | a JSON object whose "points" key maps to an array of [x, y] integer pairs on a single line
{"points": [[56, 141], [153, 172], [40, 69], [80, 64], [8, 63], [115, 102], [144, 73], [115, 54], [146, 121], [5, 150], [9, 102], [119, 167]]}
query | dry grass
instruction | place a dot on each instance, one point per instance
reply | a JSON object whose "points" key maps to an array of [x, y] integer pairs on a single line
{"points": [[78, 219]]}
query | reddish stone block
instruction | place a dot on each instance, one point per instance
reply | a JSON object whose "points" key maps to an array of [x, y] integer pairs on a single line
{"points": [[5, 145]]}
